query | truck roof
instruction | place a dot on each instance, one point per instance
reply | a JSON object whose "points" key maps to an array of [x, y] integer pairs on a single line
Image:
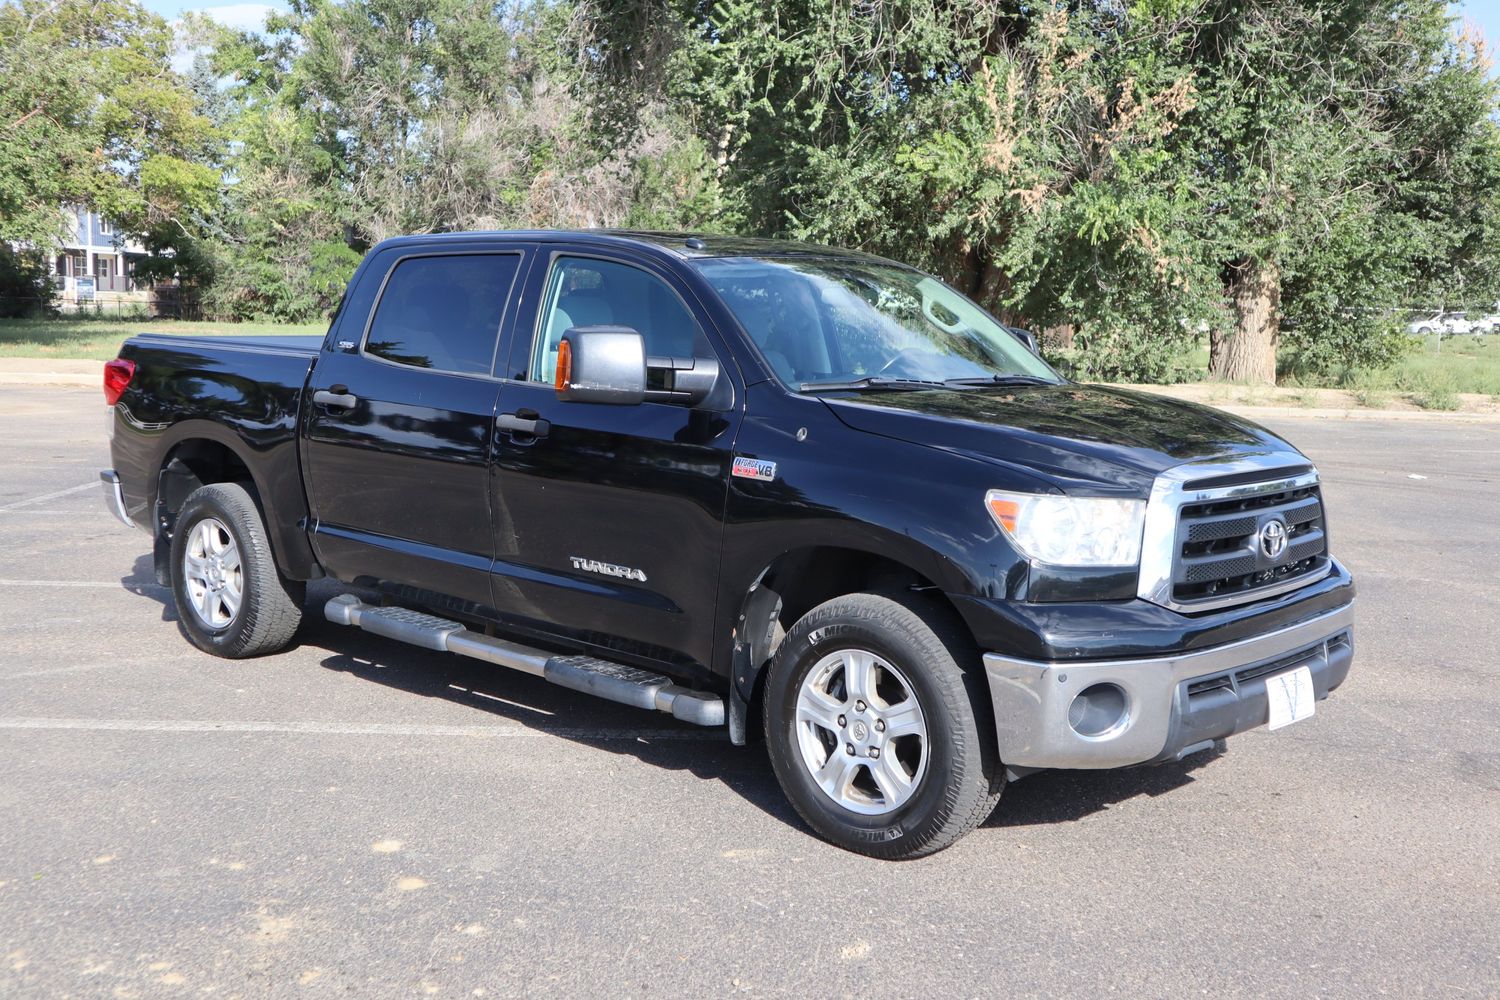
{"points": [[682, 244]]}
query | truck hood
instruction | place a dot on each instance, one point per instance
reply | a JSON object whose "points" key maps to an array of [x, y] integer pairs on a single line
{"points": [[1082, 438]]}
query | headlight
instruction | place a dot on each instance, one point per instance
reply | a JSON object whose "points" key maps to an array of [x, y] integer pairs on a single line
{"points": [[1071, 531]]}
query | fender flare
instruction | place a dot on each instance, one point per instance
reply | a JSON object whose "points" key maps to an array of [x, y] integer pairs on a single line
{"points": [[286, 530], [759, 609]]}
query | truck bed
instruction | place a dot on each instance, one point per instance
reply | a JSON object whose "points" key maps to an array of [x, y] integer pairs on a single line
{"points": [[281, 343], [237, 394]]}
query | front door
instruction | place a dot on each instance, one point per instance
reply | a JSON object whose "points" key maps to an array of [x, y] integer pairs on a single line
{"points": [[399, 426], [608, 521]]}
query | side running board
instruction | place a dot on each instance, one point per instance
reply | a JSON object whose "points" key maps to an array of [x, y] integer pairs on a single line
{"points": [[614, 681]]}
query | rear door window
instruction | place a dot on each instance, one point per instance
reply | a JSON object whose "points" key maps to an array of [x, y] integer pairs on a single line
{"points": [[443, 312]]}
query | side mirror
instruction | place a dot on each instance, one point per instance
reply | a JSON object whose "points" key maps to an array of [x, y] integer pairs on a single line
{"points": [[687, 381], [601, 364], [1026, 337]]}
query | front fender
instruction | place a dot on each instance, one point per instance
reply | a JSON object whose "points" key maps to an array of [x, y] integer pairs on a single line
{"points": [[835, 486]]}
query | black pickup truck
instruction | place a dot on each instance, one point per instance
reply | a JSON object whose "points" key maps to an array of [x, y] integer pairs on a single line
{"points": [[781, 488]]}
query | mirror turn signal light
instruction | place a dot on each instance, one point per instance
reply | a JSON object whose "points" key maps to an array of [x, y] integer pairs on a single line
{"points": [[564, 376]]}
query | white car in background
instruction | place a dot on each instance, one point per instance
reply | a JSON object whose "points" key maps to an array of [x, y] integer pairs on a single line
{"points": [[1488, 323], [1425, 323], [1456, 324], [1450, 324]]}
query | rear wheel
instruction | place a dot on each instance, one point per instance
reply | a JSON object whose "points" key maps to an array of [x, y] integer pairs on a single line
{"points": [[231, 600], [877, 732]]}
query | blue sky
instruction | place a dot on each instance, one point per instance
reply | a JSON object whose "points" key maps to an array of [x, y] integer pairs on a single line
{"points": [[1484, 13], [236, 15]]}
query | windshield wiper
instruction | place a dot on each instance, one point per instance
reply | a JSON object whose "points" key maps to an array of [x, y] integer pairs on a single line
{"points": [[875, 382], [1001, 380]]}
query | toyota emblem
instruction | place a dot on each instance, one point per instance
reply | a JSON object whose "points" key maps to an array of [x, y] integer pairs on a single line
{"points": [[1273, 539]]}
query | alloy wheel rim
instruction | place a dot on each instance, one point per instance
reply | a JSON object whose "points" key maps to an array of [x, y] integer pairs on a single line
{"points": [[861, 732], [213, 574]]}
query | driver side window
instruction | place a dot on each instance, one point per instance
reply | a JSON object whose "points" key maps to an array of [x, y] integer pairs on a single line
{"points": [[585, 291]]}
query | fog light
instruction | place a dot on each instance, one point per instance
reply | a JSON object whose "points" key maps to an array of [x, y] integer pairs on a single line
{"points": [[1097, 709]]}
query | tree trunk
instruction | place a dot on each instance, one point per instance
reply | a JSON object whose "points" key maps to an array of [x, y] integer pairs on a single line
{"points": [[1060, 336], [1248, 352]]}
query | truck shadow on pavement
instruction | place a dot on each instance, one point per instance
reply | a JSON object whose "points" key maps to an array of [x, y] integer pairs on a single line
{"points": [[141, 581], [1045, 798], [1049, 797]]}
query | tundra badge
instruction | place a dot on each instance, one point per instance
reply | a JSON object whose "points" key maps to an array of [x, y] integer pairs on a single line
{"points": [[608, 569]]}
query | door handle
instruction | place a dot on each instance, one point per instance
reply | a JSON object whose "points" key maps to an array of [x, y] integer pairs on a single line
{"points": [[525, 422], [338, 396]]}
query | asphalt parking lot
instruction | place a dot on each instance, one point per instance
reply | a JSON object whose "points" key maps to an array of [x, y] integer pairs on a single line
{"points": [[360, 818]]}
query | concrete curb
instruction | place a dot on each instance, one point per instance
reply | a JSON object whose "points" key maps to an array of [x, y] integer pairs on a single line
{"points": [[1314, 413], [60, 379], [51, 371], [1335, 405]]}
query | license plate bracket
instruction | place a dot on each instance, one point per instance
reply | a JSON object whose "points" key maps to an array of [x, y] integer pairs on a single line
{"points": [[1290, 697]]}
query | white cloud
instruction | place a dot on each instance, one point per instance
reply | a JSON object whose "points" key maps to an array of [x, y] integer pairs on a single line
{"points": [[243, 16]]}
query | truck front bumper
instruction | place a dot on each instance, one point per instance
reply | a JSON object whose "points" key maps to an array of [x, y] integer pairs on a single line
{"points": [[1157, 709]]}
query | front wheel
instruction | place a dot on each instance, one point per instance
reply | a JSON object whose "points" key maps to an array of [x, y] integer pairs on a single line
{"points": [[231, 600], [877, 732]]}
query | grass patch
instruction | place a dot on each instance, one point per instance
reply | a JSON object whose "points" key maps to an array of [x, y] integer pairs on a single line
{"points": [[99, 339], [1457, 364], [1437, 397], [1454, 365]]}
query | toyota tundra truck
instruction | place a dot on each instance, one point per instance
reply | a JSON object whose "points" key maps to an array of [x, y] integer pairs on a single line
{"points": [[805, 494]]}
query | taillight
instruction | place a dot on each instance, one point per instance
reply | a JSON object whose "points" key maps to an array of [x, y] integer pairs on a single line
{"points": [[117, 376]]}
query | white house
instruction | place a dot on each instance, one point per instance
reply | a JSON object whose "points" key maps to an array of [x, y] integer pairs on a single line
{"points": [[95, 251]]}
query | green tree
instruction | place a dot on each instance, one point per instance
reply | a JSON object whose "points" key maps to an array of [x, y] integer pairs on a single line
{"points": [[1348, 156], [1130, 174], [351, 122], [91, 113]]}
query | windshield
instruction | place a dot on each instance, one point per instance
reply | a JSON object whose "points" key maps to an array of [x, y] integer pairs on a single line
{"points": [[841, 320]]}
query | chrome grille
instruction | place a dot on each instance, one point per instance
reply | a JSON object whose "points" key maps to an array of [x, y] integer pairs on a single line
{"points": [[1203, 537], [1219, 554]]}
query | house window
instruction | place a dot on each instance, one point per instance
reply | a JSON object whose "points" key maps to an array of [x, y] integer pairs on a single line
{"points": [[102, 266], [104, 229]]}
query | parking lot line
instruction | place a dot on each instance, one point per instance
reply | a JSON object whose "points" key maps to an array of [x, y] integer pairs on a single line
{"points": [[50, 496], [589, 733], [109, 584]]}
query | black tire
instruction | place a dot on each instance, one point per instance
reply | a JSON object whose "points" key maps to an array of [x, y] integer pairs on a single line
{"points": [[270, 607], [963, 776]]}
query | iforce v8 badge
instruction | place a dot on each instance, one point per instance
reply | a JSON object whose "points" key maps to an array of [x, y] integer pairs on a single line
{"points": [[750, 468]]}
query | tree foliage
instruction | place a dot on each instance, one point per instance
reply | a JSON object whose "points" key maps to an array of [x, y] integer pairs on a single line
{"points": [[1129, 175], [1278, 177], [91, 114]]}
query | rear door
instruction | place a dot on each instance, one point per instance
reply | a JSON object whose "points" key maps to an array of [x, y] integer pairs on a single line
{"points": [[608, 525], [399, 421]]}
